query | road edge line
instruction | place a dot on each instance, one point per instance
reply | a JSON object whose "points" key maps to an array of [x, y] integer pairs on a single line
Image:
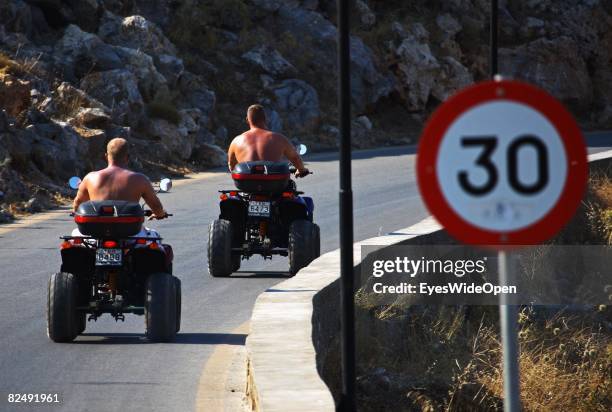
{"points": [[213, 386]]}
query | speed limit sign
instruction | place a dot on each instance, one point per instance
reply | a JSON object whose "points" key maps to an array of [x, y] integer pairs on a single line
{"points": [[502, 163]]}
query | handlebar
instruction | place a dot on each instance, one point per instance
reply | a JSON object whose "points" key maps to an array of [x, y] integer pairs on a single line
{"points": [[149, 213], [292, 170]]}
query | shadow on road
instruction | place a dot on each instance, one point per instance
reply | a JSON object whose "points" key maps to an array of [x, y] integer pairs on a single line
{"points": [[363, 154], [246, 274], [181, 338], [273, 290], [115, 383]]}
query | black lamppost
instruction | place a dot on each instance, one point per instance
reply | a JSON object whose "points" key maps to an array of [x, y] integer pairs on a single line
{"points": [[347, 400]]}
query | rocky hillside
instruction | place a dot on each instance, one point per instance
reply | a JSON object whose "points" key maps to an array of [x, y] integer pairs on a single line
{"points": [[175, 76]]}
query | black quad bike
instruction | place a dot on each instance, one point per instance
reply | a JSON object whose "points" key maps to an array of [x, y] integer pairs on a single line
{"points": [[265, 216], [113, 267]]}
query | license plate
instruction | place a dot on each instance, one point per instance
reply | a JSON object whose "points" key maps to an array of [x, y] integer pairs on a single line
{"points": [[259, 209], [109, 257]]}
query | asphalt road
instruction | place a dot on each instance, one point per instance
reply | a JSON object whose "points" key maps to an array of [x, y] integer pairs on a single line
{"points": [[111, 367]]}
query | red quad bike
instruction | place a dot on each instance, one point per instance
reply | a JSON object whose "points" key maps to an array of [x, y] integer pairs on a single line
{"points": [[114, 266], [265, 216]]}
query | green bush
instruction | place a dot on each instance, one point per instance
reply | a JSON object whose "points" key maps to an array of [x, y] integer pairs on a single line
{"points": [[163, 110], [197, 21]]}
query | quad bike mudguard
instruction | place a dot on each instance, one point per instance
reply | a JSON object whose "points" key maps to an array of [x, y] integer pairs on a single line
{"points": [[81, 260], [235, 210]]}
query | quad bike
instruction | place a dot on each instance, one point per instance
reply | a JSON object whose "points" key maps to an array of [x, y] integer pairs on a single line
{"points": [[111, 264], [265, 216]]}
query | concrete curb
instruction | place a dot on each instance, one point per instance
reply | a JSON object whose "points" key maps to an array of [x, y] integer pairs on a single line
{"points": [[281, 358], [600, 156], [282, 367]]}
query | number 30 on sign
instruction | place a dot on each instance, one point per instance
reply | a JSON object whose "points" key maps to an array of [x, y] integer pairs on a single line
{"points": [[502, 163]]}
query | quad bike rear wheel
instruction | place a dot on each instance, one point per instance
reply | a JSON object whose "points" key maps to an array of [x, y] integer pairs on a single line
{"points": [[82, 322], [62, 317], [220, 259], [160, 307], [236, 260], [302, 235]]}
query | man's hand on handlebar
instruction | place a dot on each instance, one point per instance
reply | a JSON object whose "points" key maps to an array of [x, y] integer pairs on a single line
{"points": [[153, 216], [302, 172]]}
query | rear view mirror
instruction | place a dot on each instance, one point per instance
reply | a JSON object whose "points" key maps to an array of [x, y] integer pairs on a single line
{"points": [[165, 185], [302, 149], [74, 182]]}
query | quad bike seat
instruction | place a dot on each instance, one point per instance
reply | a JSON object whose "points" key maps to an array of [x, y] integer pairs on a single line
{"points": [[261, 176], [109, 218]]}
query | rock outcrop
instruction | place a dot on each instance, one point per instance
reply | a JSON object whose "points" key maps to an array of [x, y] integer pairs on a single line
{"points": [[298, 104], [105, 76], [175, 78]]}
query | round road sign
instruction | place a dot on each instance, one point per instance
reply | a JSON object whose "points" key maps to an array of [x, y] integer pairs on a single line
{"points": [[502, 163]]}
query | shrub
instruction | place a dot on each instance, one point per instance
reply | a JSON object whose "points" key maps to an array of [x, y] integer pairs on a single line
{"points": [[164, 110], [197, 21], [10, 66]]}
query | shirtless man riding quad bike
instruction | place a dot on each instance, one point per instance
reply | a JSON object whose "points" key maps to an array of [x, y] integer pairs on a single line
{"points": [[265, 215], [112, 264]]}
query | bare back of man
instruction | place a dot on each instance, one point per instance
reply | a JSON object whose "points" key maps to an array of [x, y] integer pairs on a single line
{"points": [[116, 182], [259, 143]]}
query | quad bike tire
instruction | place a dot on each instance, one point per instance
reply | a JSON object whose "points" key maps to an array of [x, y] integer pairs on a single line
{"points": [[81, 322], [160, 307], [236, 260], [220, 262], [62, 317], [177, 286], [302, 235]]}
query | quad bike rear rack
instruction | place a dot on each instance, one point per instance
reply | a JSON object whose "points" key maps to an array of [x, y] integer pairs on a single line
{"points": [[258, 250], [295, 192], [95, 238]]}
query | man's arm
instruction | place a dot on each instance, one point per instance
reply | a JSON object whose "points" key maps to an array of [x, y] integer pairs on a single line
{"points": [[231, 156], [293, 156], [82, 194], [151, 199]]}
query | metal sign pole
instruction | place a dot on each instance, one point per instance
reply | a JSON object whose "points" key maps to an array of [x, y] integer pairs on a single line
{"points": [[347, 400], [508, 316]]}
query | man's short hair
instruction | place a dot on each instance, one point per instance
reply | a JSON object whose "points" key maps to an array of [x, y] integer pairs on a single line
{"points": [[117, 148], [256, 114]]}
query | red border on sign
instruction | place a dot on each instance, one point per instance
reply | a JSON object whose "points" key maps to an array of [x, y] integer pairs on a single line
{"points": [[548, 106]]}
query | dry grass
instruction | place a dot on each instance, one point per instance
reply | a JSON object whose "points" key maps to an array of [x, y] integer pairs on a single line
{"points": [[566, 364], [10, 66], [448, 358], [601, 188], [68, 107], [21, 68], [599, 207]]}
